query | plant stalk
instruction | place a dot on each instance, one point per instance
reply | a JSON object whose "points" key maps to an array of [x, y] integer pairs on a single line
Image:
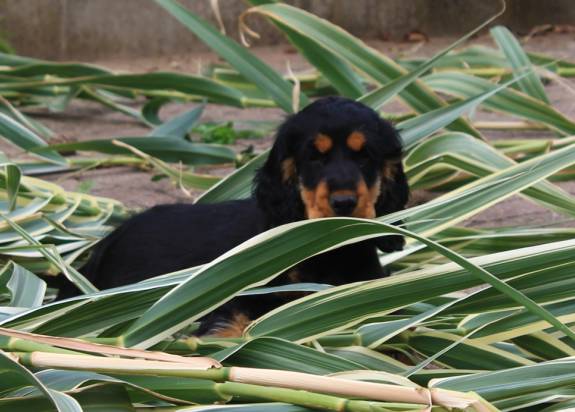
{"points": [[259, 382]]}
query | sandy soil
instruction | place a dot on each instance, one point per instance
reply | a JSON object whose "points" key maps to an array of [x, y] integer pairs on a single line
{"points": [[134, 187]]}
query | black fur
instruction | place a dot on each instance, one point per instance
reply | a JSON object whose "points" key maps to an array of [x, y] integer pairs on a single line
{"points": [[167, 238]]}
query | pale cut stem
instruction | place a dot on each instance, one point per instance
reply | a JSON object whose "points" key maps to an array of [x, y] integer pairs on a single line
{"points": [[500, 71], [301, 398], [262, 377], [298, 380], [494, 125], [79, 345]]}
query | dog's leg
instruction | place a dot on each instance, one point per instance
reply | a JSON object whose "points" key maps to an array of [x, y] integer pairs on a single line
{"points": [[217, 325], [231, 319]]}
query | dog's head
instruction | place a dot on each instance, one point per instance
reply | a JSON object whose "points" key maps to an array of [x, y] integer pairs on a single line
{"points": [[336, 157]]}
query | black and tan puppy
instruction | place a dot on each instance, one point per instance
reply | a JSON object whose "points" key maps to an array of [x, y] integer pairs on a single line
{"points": [[336, 157]]}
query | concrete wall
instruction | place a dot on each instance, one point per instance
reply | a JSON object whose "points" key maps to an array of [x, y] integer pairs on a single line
{"points": [[88, 29]]}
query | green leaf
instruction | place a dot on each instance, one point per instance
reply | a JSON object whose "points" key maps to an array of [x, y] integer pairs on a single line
{"points": [[430, 218], [8, 59], [33, 67], [339, 74], [26, 121], [507, 101], [26, 289], [374, 334], [508, 383], [15, 376], [464, 355], [378, 97], [243, 61], [179, 126], [369, 359], [477, 157], [523, 322], [53, 257], [97, 398], [337, 308], [150, 110], [379, 67], [185, 390], [13, 176], [530, 84], [236, 185], [559, 286], [26, 139], [197, 296], [169, 149], [171, 82], [468, 200], [417, 128], [274, 353], [106, 99]]}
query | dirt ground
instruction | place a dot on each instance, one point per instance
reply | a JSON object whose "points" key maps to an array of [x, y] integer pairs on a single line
{"points": [[85, 121]]}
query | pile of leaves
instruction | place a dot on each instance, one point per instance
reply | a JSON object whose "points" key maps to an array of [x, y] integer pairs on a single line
{"points": [[475, 319]]}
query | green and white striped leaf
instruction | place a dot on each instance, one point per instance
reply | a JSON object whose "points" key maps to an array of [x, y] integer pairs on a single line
{"points": [[26, 139], [180, 125], [530, 85], [280, 354], [243, 61], [174, 84], [466, 354], [16, 376], [237, 185], [479, 158], [337, 309], [499, 385], [169, 149], [355, 52], [339, 74], [378, 97], [508, 100], [26, 289]]}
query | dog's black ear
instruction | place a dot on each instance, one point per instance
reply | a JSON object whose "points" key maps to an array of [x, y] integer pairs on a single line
{"points": [[276, 185], [394, 192]]}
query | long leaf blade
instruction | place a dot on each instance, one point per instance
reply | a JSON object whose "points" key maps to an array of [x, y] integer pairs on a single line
{"points": [[247, 64]]}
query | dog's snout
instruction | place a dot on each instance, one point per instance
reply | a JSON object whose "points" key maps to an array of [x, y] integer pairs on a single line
{"points": [[343, 204]]}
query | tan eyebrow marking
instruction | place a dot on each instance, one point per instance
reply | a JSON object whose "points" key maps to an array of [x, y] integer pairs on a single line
{"points": [[323, 143], [356, 141]]}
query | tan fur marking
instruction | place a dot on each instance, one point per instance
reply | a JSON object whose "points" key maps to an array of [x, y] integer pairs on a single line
{"points": [[366, 198], [343, 193], [355, 141], [323, 143], [294, 276], [375, 191], [389, 170], [288, 169], [316, 201], [235, 328]]}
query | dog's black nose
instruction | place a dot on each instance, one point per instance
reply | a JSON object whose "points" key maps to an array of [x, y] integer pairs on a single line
{"points": [[343, 205]]}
